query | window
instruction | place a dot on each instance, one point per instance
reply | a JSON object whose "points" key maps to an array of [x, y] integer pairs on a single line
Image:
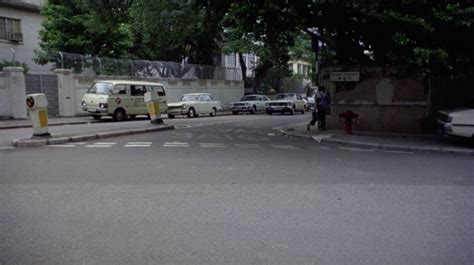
{"points": [[138, 90], [189, 98], [120, 89], [248, 98], [159, 89], [204, 98], [8, 28], [100, 88], [230, 60]]}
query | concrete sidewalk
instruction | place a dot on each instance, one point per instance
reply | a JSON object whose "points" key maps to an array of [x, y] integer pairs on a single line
{"points": [[85, 132], [385, 141]]}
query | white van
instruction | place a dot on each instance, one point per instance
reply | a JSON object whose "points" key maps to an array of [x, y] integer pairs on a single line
{"points": [[121, 99]]}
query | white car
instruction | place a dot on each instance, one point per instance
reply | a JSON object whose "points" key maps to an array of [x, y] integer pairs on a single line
{"points": [[249, 103], [286, 102], [194, 105], [310, 103], [459, 122]]}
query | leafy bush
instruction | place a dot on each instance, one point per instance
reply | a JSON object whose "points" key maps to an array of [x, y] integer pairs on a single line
{"points": [[6, 63]]}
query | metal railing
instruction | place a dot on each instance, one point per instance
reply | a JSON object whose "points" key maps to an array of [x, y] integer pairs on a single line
{"points": [[93, 65]]}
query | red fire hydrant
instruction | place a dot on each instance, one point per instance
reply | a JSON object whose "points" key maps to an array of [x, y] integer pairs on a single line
{"points": [[348, 117]]}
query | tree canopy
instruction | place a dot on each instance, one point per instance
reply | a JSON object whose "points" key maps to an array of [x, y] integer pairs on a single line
{"points": [[85, 27], [415, 37], [411, 37], [166, 30]]}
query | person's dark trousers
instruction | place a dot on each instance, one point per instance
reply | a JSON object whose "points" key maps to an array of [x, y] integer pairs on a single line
{"points": [[314, 119], [322, 119]]}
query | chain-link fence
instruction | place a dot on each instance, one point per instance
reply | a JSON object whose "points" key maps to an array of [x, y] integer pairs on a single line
{"points": [[142, 68]]}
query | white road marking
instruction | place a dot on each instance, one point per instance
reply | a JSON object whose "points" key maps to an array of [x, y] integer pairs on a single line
{"points": [[104, 143], [248, 145], [98, 145], [212, 145], [80, 143], [284, 146], [175, 144], [6, 147], [355, 149], [62, 145], [137, 145]]}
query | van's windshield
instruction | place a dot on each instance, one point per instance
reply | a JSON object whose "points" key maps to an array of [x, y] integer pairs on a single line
{"points": [[100, 88]]}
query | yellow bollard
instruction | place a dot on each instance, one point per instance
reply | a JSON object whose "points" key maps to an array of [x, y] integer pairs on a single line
{"points": [[37, 105], [151, 100]]}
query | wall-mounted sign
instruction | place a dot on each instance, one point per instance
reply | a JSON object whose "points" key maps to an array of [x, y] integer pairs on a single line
{"points": [[344, 76]]}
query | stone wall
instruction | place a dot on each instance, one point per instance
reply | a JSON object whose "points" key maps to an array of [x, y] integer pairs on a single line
{"points": [[383, 103]]}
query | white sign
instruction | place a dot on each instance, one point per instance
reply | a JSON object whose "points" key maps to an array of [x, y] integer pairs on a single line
{"points": [[344, 76]]}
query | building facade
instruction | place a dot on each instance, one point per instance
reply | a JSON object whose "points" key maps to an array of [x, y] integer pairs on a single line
{"points": [[20, 21]]}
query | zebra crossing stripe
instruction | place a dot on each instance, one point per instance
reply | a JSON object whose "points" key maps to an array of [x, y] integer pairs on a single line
{"points": [[212, 145], [248, 145], [99, 145], [175, 144], [62, 145], [138, 144], [6, 147]]}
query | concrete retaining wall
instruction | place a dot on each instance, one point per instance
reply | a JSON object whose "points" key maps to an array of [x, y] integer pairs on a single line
{"points": [[383, 103], [72, 87], [4, 103], [12, 93]]}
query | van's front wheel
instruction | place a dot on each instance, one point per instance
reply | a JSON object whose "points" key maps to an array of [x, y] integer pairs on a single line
{"points": [[119, 115]]}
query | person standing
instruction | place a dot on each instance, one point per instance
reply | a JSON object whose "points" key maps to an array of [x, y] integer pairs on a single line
{"points": [[323, 99]]}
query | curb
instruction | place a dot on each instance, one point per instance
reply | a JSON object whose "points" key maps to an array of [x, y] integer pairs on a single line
{"points": [[389, 147], [86, 137], [18, 126], [6, 127]]}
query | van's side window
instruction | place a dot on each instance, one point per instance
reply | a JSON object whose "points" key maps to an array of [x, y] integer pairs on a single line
{"points": [[120, 89], [137, 90], [159, 89]]}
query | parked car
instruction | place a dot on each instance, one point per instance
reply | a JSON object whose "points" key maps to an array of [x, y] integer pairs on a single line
{"points": [[310, 103], [194, 105], [121, 99], [286, 102], [249, 103], [458, 122]]}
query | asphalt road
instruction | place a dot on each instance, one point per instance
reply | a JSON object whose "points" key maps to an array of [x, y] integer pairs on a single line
{"points": [[227, 190]]}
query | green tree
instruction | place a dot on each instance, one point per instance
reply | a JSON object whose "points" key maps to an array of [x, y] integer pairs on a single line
{"points": [[85, 27], [415, 37], [173, 30]]}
